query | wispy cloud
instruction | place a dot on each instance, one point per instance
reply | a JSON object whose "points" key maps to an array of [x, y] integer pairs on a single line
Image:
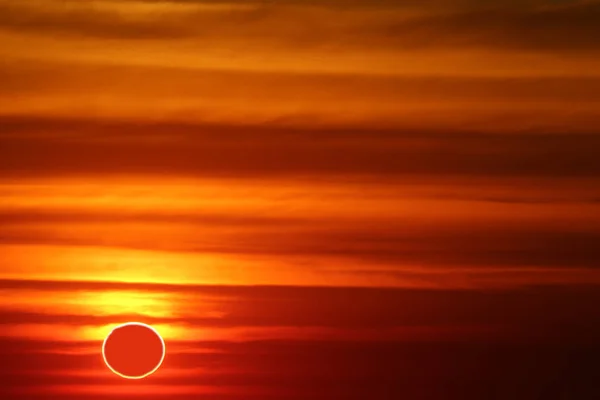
{"points": [[570, 27], [214, 151]]}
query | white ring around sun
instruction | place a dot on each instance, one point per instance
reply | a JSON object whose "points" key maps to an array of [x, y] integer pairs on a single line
{"points": [[164, 351]]}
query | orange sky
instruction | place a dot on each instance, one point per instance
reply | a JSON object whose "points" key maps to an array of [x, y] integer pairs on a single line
{"points": [[265, 181]]}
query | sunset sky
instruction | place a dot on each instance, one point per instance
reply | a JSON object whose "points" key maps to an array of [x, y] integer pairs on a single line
{"points": [[318, 199]]}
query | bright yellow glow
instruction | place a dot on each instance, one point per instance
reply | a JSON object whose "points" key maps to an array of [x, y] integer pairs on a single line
{"points": [[129, 302], [97, 303]]}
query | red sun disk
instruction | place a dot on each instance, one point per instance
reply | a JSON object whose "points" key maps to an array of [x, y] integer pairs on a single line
{"points": [[133, 350]]}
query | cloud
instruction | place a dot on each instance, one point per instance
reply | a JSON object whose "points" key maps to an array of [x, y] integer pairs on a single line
{"points": [[276, 307], [233, 151], [544, 350], [386, 24], [484, 245], [82, 18], [462, 96], [567, 28]]}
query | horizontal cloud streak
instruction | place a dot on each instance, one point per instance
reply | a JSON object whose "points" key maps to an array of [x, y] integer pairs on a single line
{"points": [[446, 246], [372, 364], [570, 27], [211, 151], [326, 307]]}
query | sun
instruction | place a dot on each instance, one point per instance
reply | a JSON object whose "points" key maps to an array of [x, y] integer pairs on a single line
{"points": [[133, 350]]}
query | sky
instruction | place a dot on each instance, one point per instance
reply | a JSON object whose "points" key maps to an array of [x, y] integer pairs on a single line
{"points": [[318, 199]]}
